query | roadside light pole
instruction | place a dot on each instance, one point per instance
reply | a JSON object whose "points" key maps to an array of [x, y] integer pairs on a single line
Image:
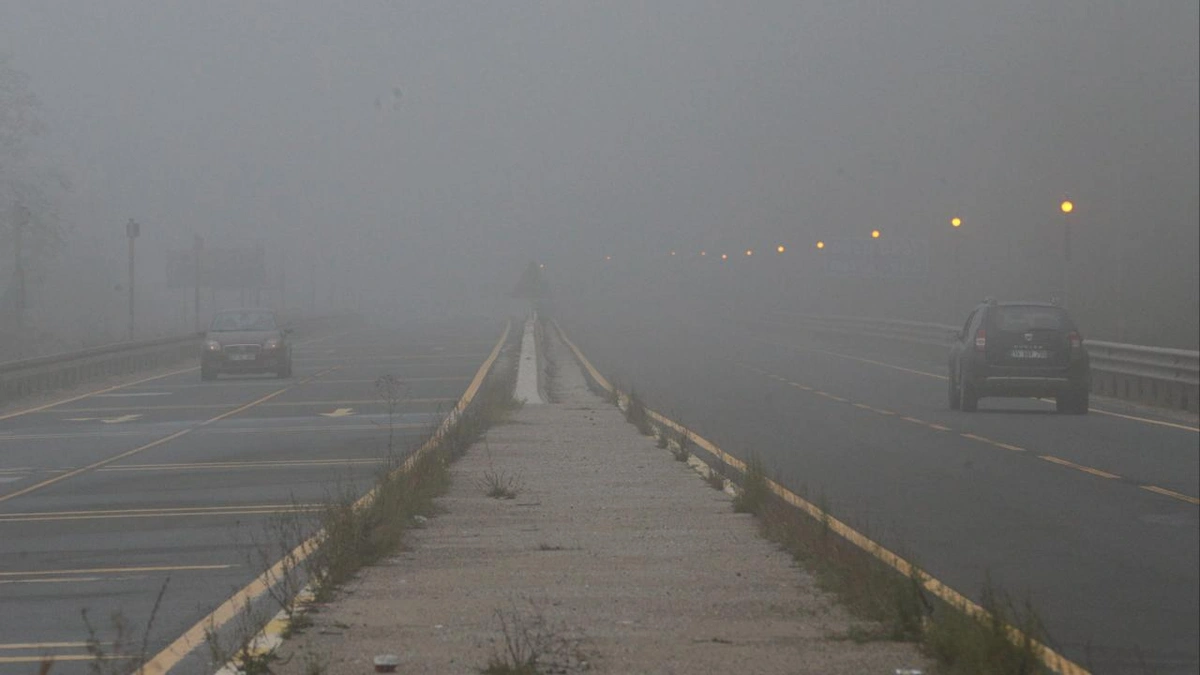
{"points": [[132, 230], [1067, 206], [19, 225], [197, 253]]}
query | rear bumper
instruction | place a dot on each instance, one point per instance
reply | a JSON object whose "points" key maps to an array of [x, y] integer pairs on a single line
{"points": [[1000, 381]]}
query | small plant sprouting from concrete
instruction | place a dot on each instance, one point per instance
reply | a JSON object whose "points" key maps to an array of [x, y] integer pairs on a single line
{"points": [[497, 483], [637, 415], [531, 645], [681, 450], [239, 648], [661, 440], [752, 497]]}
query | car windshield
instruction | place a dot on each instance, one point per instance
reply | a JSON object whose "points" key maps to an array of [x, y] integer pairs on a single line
{"points": [[237, 321], [1019, 318]]}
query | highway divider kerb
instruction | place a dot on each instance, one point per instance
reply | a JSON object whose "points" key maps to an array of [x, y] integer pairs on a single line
{"points": [[271, 635], [1051, 658]]}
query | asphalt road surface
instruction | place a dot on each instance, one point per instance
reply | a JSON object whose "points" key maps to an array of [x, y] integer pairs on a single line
{"points": [[105, 499], [1094, 518]]}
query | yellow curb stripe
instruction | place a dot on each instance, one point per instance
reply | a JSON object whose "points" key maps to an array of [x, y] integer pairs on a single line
{"points": [[194, 637], [1052, 659]]}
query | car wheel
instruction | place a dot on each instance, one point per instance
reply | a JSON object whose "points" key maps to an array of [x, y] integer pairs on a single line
{"points": [[968, 400], [952, 392], [285, 372]]}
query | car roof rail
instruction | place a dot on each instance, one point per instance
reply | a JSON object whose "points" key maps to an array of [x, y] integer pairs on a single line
{"points": [[989, 300]]}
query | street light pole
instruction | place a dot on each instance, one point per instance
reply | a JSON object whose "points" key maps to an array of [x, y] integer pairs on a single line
{"points": [[21, 222], [1067, 206], [132, 230]]}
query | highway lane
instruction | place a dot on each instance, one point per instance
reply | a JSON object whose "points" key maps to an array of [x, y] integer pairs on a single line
{"points": [[218, 461], [1112, 566]]}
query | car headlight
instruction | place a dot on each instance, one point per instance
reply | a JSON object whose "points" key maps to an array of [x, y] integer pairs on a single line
{"points": [[212, 346], [273, 343]]}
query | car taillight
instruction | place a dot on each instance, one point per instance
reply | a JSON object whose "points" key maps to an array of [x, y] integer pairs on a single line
{"points": [[980, 340], [1075, 340]]}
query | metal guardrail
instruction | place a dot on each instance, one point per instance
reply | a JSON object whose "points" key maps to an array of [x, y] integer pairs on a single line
{"points": [[1155, 375], [61, 371], [55, 372]]}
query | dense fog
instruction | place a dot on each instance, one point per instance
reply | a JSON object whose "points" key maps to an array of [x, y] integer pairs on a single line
{"points": [[408, 160]]}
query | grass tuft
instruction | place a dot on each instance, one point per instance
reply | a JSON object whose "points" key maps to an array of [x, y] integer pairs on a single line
{"points": [[637, 415], [752, 497], [531, 645]]}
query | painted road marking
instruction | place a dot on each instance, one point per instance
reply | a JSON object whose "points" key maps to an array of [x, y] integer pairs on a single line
{"points": [[340, 412], [264, 464], [154, 444], [116, 570], [43, 645], [1172, 494], [174, 512], [1052, 659], [218, 430], [974, 437], [1078, 467], [172, 654], [272, 404], [911, 371], [134, 394], [128, 385], [110, 420], [98, 392]]}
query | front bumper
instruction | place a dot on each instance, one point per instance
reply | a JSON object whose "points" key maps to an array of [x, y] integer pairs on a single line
{"points": [[261, 362]]}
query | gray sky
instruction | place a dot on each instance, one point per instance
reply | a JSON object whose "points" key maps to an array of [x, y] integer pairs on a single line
{"points": [[571, 130]]}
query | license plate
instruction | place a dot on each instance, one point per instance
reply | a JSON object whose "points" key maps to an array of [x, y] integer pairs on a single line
{"points": [[1023, 353], [241, 357]]}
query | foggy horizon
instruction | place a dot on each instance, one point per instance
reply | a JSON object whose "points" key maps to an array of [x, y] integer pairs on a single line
{"points": [[439, 148]]}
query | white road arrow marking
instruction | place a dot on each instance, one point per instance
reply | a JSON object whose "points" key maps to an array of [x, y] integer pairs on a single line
{"points": [[340, 412]]}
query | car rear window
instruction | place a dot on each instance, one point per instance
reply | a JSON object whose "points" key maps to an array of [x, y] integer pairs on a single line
{"points": [[1015, 318]]}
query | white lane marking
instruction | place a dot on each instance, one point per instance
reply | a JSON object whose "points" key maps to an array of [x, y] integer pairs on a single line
{"points": [[340, 412], [527, 369], [105, 420], [136, 393]]}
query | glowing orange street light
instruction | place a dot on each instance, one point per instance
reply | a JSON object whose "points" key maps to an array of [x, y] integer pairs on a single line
{"points": [[703, 253], [780, 249], [672, 252], [956, 222], [724, 256], [608, 257], [874, 234], [749, 252], [820, 244], [1067, 206]]}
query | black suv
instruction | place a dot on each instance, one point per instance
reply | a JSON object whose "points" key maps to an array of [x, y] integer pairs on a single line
{"points": [[1019, 349], [245, 341]]}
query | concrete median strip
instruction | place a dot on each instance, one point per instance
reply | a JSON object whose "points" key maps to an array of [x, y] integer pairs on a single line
{"points": [[613, 554]]}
